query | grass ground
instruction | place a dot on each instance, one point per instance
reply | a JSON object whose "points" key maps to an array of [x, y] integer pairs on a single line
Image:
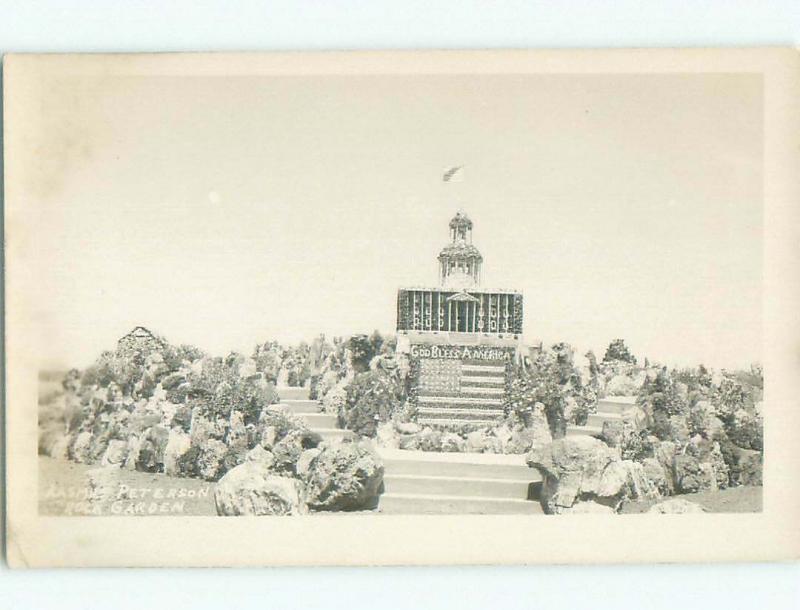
{"points": [[733, 500]]}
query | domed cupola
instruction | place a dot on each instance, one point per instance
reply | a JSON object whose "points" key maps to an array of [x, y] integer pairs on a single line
{"points": [[460, 261]]}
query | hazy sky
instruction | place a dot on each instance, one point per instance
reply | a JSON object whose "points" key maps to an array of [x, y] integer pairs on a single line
{"points": [[225, 211]]}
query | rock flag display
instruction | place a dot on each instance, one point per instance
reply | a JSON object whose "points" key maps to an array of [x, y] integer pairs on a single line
{"points": [[459, 337]]}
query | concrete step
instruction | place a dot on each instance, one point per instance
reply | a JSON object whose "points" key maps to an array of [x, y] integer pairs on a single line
{"points": [[333, 433], [464, 465], [597, 419], [416, 504], [584, 430], [616, 404], [302, 406], [455, 412], [451, 421], [459, 486], [289, 392], [319, 420]]}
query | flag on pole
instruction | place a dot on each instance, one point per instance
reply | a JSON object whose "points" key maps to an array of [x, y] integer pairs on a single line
{"points": [[453, 174]]}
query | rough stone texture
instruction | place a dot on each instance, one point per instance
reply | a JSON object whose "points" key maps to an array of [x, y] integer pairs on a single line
{"points": [[202, 428], [613, 432], [134, 447], [749, 467], [658, 476], [584, 469], [269, 436], [178, 444], [237, 435], [452, 443], [259, 454], [540, 429], [679, 429], [430, 440], [664, 451], [115, 454], [690, 475], [211, 459], [151, 451], [344, 476], [305, 460], [676, 506], [289, 449], [717, 462], [251, 489]]}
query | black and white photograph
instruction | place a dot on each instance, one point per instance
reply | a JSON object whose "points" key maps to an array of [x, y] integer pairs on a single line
{"points": [[367, 292]]}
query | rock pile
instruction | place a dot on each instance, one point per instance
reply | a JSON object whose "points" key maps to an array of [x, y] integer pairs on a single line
{"points": [[583, 474]]}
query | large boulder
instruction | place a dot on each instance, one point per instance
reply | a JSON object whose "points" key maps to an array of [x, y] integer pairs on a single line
{"points": [[676, 506], [252, 489], [344, 476], [585, 469]]}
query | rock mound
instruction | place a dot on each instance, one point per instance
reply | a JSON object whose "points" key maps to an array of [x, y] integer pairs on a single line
{"points": [[343, 476], [582, 469], [251, 489]]}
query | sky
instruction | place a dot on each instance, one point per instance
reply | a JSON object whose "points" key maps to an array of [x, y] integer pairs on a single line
{"points": [[227, 211]]}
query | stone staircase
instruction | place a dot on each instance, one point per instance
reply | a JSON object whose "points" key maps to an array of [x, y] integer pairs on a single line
{"points": [[613, 408], [418, 482], [322, 423]]}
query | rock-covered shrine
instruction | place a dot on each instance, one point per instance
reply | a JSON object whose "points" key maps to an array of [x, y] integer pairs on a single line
{"points": [[460, 337]]}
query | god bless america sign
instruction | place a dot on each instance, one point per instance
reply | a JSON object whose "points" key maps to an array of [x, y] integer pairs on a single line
{"points": [[462, 352]]}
